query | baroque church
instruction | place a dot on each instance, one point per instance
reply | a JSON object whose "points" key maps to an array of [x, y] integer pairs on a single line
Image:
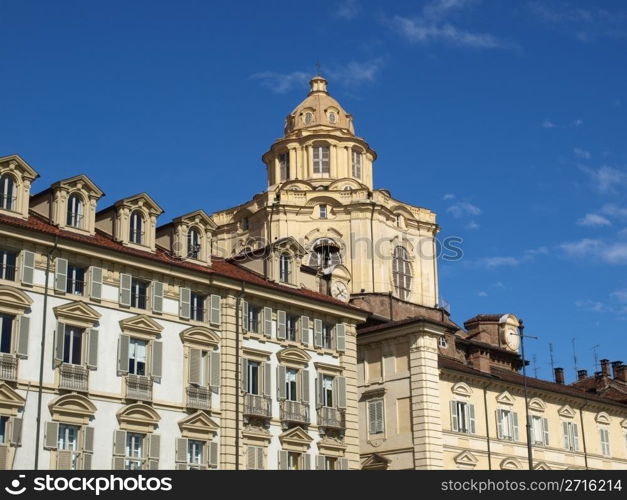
{"points": [[299, 330]]}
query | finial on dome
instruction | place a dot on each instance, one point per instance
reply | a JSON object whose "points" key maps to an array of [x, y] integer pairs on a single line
{"points": [[318, 84]]}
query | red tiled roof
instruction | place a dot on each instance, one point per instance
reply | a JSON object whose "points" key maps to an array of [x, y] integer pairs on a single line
{"points": [[416, 319], [218, 266]]}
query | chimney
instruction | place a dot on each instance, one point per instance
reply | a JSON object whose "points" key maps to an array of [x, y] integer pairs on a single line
{"points": [[559, 375], [605, 367], [621, 373], [480, 360], [582, 374], [615, 366]]}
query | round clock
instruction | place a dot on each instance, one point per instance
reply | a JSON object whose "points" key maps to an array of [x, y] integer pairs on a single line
{"points": [[512, 339], [339, 291]]}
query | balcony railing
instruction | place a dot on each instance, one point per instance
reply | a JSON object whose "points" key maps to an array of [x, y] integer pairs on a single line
{"points": [[73, 377], [331, 417], [257, 405], [294, 411], [8, 367], [7, 272], [138, 387], [198, 397]]}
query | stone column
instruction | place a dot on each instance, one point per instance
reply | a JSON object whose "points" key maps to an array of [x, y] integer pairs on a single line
{"points": [[425, 399]]}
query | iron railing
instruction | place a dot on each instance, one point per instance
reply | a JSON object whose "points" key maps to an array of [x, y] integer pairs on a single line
{"points": [[294, 411], [257, 405], [138, 387], [73, 377], [8, 367], [198, 397], [331, 417]]}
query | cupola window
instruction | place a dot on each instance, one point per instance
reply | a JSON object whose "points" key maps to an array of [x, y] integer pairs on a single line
{"points": [[332, 117], [308, 118], [356, 157], [7, 192], [136, 233], [401, 271], [75, 211], [321, 159], [193, 243], [284, 165]]}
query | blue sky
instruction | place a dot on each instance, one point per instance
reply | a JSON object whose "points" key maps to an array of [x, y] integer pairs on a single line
{"points": [[507, 118]]}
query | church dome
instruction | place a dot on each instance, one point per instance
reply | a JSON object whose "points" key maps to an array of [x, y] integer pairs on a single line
{"points": [[318, 110]]}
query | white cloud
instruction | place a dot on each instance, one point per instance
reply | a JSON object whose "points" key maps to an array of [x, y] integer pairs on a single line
{"points": [[615, 253], [582, 153], [280, 83], [472, 225], [532, 252], [548, 124], [619, 296], [605, 179], [580, 248], [463, 208], [594, 220], [603, 307], [613, 210], [498, 284], [348, 9], [448, 196], [597, 250], [494, 262], [577, 123], [481, 293]]}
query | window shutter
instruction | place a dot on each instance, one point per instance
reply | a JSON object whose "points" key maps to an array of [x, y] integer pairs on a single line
{"points": [[214, 381], [64, 460], [267, 380], [213, 454], [157, 296], [304, 330], [195, 357], [125, 290], [545, 430], [28, 267], [566, 437], [4, 458], [181, 450], [118, 463], [123, 346], [499, 424], [59, 344], [87, 461], [88, 439], [340, 337], [471, 418], [341, 392], [157, 359], [319, 391], [96, 282], [282, 460], [16, 431], [320, 462], [244, 316], [92, 355], [60, 275], [251, 458], [243, 374], [306, 461], [454, 422], [185, 297], [575, 437], [342, 464], [380, 416], [21, 347], [51, 435], [281, 327], [304, 381], [154, 447], [281, 381], [119, 444], [267, 322], [216, 302], [260, 457], [317, 333], [515, 426]]}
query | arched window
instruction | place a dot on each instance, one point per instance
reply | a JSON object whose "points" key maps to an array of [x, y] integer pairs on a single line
{"points": [[136, 234], [75, 211], [325, 254], [401, 271], [7, 192], [321, 159], [356, 157], [284, 166], [193, 243], [285, 268], [308, 118]]}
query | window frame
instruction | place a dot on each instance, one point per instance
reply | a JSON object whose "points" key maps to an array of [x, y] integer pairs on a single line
{"points": [[284, 166], [133, 342], [75, 211], [8, 189], [137, 223], [378, 429], [321, 159], [285, 267], [402, 272], [194, 244], [356, 163], [138, 286]]}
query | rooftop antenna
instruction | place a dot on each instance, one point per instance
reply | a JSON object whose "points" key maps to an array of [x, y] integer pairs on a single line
{"points": [[535, 366], [318, 68], [595, 353], [552, 358], [575, 355]]}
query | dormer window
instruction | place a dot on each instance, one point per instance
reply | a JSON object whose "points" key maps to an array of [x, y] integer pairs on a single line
{"points": [[75, 211], [308, 118], [193, 243], [356, 157], [285, 268], [136, 232], [7, 192], [321, 164], [284, 165]]}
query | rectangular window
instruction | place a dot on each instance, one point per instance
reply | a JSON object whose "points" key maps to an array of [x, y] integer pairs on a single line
{"points": [[254, 315], [3, 429], [253, 377], [7, 265], [356, 164], [375, 416], [330, 463], [75, 280], [68, 442], [72, 345], [6, 332], [291, 327], [195, 452], [321, 159], [139, 291], [507, 425], [197, 307], [462, 417], [327, 336], [291, 375], [571, 436], [134, 451], [605, 442], [327, 391], [323, 212], [539, 430], [284, 163], [137, 356], [294, 461]]}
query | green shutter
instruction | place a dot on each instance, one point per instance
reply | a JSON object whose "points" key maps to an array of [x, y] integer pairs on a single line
{"points": [[28, 267], [185, 297], [96, 283], [59, 344], [157, 359], [306, 461], [92, 357], [21, 347], [157, 296], [267, 322], [215, 316], [281, 326], [60, 275], [515, 426], [545, 430], [340, 337], [125, 290], [499, 424]]}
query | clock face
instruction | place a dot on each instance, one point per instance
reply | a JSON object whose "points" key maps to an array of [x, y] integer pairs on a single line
{"points": [[512, 339], [339, 291]]}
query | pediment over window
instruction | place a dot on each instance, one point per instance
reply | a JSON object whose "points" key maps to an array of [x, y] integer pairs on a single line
{"points": [[375, 462], [289, 243], [511, 464], [329, 445], [295, 438], [505, 398], [16, 162], [142, 325], [77, 313], [74, 408], [82, 183], [198, 218], [296, 185], [200, 336], [566, 411], [602, 418], [537, 404], [466, 459], [21, 175], [10, 400], [342, 184], [293, 355], [138, 416], [142, 201], [541, 466], [198, 425], [461, 389], [13, 300]]}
